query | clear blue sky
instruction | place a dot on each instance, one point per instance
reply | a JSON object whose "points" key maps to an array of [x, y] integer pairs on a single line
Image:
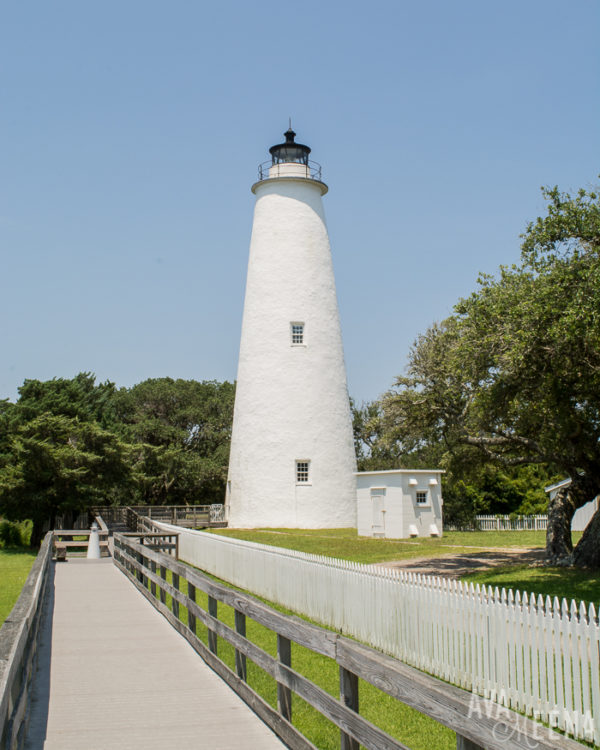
{"points": [[131, 132]]}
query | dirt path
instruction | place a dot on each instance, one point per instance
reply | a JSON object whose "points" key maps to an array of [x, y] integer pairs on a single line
{"points": [[455, 566]]}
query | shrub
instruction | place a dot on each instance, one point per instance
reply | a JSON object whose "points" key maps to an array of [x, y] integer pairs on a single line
{"points": [[10, 534]]}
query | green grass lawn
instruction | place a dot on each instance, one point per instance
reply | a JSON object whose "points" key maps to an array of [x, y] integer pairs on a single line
{"points": [[15, 565], [569, 583], [346, 544]]}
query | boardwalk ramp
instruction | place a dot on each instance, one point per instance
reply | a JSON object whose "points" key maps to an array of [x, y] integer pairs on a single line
{"points": [[113, 673]]}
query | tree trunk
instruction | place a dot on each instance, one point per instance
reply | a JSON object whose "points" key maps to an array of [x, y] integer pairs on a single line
{"points": [[559, 547], [561, 510], [587, 551], [37, 532]]}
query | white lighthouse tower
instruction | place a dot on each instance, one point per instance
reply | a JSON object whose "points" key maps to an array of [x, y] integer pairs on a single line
{"points": [[292, 457]]}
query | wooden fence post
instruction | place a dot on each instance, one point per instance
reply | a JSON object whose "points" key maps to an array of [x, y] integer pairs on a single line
{"points": [[240, 659], [284, 694], [191, 617], [144, 561], [462, 743], [212, 636], [140, 574], [152, 584], [349, 697], [175, 603], [163, 593]]}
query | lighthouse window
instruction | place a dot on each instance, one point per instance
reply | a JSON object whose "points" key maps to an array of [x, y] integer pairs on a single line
{"points": [[297, 333], [302, 472]]}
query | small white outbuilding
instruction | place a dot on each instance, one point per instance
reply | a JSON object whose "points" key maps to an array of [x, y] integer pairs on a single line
{"points": [[399, 503]]}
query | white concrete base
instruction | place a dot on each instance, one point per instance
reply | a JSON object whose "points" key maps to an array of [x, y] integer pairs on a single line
{"points": [[93, 550]]}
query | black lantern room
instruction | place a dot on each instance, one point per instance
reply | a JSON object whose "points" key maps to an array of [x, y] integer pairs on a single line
{"points": [[289, 152]]}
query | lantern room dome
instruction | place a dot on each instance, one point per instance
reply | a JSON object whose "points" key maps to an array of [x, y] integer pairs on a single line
{"points": [[289, 152], [289, 161]]}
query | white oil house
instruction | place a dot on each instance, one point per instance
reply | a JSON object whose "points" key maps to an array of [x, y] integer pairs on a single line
{"points": [[399, 503], [292, 460]]}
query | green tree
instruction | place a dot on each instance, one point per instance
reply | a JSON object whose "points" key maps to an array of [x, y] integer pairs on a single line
{"points": [[71, 443], [378, 448], [181, 431], [513, 376], [79, 397], [58, 465], [6, 422], [373, 452], [471, 485], [462, 502]]}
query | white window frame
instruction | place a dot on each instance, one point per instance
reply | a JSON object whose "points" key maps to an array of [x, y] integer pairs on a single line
{"points": [[301, 462], [423, 503], [295, 334]]}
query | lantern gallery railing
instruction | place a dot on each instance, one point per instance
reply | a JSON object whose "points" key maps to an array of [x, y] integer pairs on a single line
{"points": [[278, 170]]}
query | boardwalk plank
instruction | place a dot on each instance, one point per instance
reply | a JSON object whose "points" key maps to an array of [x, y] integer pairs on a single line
{"points": [[121, 676]]}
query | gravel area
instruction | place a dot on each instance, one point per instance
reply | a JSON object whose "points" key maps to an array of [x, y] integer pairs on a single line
{"points": [[456, 566]]}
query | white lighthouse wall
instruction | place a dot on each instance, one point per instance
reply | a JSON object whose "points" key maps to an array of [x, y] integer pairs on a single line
{"points": [[291, 400], [387, 503]]}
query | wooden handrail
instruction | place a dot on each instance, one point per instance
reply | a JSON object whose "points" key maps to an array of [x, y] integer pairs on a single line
{"points": [[102, 525], [77, 532], [132, 515], [18, 649], [478, 723]]}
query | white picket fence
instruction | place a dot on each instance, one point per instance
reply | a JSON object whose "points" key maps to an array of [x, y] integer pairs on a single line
{"points": [[539, 657], [579, 521], [507, 523]]}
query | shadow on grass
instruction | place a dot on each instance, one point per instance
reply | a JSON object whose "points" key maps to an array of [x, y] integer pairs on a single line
{"points": [[570, 583]]}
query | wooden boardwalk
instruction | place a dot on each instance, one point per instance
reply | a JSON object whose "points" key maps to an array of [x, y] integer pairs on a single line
{"points": [[113, 673]]}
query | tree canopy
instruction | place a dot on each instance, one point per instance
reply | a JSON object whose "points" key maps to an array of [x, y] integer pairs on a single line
{"points": [[472, 485], [59, 464], [513, 376], [79, 398], [183, 428], [67, 444]]}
